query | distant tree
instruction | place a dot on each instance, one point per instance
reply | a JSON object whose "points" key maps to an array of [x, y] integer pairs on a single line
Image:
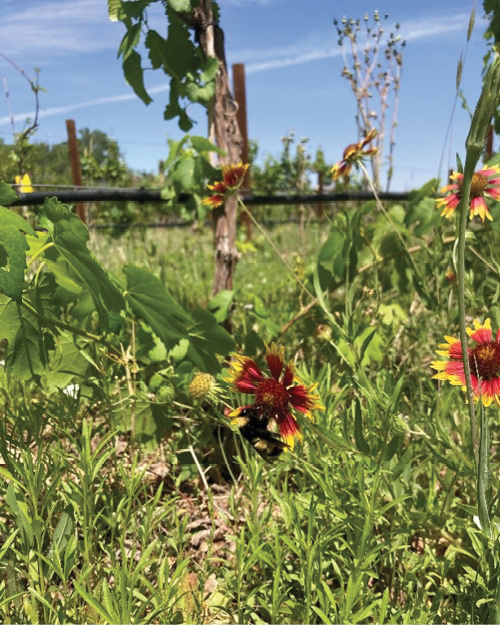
{"points": [[101, 159]]}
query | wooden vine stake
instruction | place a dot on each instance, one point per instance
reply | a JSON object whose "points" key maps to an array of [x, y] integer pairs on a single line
{"points": [[223, 130]]}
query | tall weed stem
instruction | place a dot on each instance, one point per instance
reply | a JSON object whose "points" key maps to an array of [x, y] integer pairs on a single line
{"points": [[470, 164], [278, 253]]}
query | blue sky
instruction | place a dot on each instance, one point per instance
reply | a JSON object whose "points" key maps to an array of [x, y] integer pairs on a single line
{"points": [[293, 71]]}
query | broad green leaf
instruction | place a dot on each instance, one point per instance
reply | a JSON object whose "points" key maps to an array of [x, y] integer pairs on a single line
{"points": [[202, 144], [134, 75], [114, 10], [26, 353], [70, 237], [134, 9], [130, 40], [7, 216], [155, 43], [148, 299], [183, 5], [185, 122], [7, 194], [208, 338], [185, 175], [202, 94], [9, 322], [182, 56], [210, 69], [220, 305], [13, 246], [65, 363]]}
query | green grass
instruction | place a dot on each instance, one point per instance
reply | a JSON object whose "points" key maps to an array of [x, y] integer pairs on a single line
{"points": [[368, 520]]}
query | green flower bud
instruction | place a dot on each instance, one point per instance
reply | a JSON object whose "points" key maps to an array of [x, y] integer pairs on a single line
{"points": [[166, 393], [485, 108]]}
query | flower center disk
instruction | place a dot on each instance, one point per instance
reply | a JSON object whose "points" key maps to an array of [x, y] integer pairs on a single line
{"points": [[485, 360], [272, 394], [478, 184]]}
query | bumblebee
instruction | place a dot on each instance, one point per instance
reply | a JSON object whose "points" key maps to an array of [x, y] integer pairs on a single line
{"points": [[254, 424]]}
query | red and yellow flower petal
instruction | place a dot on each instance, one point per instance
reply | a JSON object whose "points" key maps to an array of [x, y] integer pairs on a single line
{"points": [[481, 332], [304, 399], [213, 201], [448, 204], [244, 374], [233, 175], [369, 137], [479, 207], [484, 184], [341, 169], [289, 429], [289, 375], [484, 361], [275, 357]]}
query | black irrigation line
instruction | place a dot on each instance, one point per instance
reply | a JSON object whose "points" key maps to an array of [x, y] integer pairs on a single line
{"points": [[154, 195]]}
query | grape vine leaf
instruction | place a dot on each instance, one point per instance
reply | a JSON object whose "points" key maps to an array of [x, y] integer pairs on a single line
{"points": [[70, 237], [26, 353], [65, 363], [13, 247], [172, 324], [148, 299], [183, 5], [208, 338], [7, 194], [134, 75]]}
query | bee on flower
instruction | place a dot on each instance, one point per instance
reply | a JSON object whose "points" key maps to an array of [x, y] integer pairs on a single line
{"points": [[232, 179], [484, 363], [485, 184], [353, 154], [275, 394]]}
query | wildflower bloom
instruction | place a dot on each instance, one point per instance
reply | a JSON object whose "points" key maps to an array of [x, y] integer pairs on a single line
{"points": [[232, 179], [485, 184], [484, 363], [275, 395], [217, 199], [354, 153], [233, 175]]}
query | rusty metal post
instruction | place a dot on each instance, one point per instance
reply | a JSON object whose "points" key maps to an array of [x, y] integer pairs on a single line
{"points": [[240, 96], [319, 208], [76, 171]]}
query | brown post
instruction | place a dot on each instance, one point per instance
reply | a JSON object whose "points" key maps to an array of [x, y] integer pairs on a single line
{"points": [[76, 171], [319, 207], [488, 153], [240, 96]]}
